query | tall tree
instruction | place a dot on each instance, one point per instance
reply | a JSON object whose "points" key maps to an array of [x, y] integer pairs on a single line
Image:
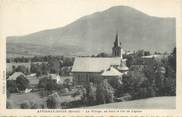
{"points": [[91, 94], [21, 68], [54, 65], [22, 83], [172, 59], [104, 92]]}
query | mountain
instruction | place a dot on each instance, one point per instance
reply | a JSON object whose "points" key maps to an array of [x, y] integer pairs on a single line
{"points": [[95, 33]]}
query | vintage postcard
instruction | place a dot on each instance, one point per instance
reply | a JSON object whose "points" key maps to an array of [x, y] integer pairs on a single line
{"points": [[118, 58]]}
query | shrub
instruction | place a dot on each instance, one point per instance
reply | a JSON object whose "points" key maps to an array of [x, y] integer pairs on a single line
{"points": [[60, 87], [42, 106], [53, 101], [104, 92], [25, 105], [33, 105], [75, 94], [51, 85], [115, 82], [91, 94], [53, 65], [43, 82], [36, 68], [9, 104], [8, 94], [48, 84], [125, 97], [172, 59], [64, 90], [22, 83], [11, 86], [29, 105], [21, 68], [67, 83], [44, 93]]}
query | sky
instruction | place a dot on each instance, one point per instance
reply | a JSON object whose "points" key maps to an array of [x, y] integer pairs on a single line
{"points": [[21, 17]]}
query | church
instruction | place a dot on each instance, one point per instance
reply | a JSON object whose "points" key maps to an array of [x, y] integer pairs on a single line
{"points": [[95, 69]]}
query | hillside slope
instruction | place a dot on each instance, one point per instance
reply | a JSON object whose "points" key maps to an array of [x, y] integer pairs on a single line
{"points": [[96, 33]]}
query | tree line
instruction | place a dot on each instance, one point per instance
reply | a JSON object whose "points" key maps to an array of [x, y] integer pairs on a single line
{"points": [[155, 78]]}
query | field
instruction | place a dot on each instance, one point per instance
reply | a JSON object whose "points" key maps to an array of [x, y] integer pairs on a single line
{"points": [[17, 98], [9, 66], [149, 103]]}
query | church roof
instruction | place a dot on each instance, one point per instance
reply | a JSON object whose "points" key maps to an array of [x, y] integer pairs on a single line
{"points": [[111, 72], [91, 64]]}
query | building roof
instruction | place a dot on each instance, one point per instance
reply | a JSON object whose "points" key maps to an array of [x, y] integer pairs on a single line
{"points": [[111, 72], [154, 56], [123, 66], [91, 64], [15, 75]]}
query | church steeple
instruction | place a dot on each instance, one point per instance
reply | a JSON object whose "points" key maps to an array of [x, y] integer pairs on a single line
{"points": [[116, 42], [116, 50]]}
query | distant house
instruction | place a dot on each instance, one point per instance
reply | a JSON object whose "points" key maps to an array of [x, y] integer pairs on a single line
{"points": [[148, 59], [13, 78], [93, 69], [32, 75], [12, 66], [15, 75], [57, 78], [138, 67]]}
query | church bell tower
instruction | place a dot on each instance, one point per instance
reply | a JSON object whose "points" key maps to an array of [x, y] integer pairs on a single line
{"points": [[116, 50]]}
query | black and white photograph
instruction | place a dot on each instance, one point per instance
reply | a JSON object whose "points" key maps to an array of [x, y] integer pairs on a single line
{"points": [[85, 54]]}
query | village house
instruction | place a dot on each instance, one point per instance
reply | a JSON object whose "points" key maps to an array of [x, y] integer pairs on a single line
{"points": [[56, 77], [15, 75], [148, 59], [95, 69]]}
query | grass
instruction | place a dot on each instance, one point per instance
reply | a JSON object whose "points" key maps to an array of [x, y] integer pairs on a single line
{"points": [[167, 102], [18, 98]]}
